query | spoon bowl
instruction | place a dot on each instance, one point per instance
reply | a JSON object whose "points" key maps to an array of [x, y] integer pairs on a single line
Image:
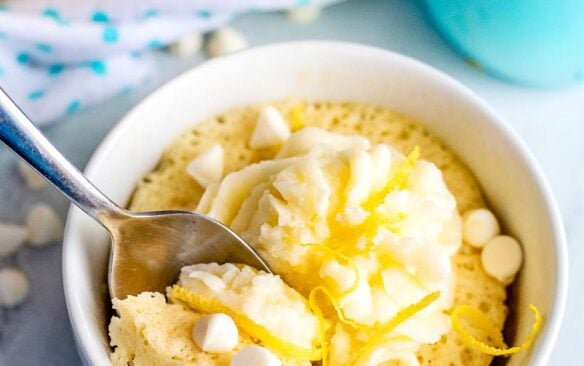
{"points": [[150, 248]]}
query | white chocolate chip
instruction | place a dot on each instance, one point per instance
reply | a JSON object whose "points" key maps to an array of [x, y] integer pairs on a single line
{"points": [[44, 224], [502, 258], [304, 14], [12, 237], [255, 356], [13, 287], [32, 179], [207, 168], [187, 46], [216, 333], [479, 226], [358, 304], [226, 40], [271, 129]]}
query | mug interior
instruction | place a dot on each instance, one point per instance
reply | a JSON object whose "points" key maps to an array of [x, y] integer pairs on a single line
{"points": [[326, 71]]}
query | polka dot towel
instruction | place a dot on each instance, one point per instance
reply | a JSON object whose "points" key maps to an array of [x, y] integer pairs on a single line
{"points": [[57, 56]]}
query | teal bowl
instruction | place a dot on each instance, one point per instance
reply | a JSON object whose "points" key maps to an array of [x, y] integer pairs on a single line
{"points": [[530, 42]]}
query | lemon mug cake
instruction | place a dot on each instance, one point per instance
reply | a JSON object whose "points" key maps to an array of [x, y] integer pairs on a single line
{"points": [[382, 248]]}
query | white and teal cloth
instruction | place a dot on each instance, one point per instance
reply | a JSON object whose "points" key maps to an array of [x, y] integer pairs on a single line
{"points": [[57, 56]]}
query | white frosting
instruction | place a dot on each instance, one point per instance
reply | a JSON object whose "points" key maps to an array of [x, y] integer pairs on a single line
{"points": [[326, 188]]}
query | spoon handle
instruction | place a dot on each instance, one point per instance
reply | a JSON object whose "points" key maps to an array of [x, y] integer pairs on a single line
{"points": [[20, 134]]}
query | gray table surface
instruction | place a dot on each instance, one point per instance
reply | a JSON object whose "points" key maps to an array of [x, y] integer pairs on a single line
{"points": [[550, 121]]}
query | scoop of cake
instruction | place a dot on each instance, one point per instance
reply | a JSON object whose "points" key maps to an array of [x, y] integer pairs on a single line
{"points": [[151, 331], [262, 298], [374, 228]]}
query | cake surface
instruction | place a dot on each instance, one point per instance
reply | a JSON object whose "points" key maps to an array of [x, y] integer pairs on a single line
{"points": [[169, 187]]}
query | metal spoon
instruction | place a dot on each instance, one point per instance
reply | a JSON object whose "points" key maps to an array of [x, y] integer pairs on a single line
{"points": [[149, 248]]}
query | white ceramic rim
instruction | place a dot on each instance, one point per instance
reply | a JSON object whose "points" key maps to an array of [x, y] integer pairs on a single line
{"points": [[547, 338]]}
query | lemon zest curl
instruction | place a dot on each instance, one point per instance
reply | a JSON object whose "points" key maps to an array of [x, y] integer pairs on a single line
{"points": [[481, 321]]}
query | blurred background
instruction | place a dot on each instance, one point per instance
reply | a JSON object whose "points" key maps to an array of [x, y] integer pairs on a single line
{"points": [[77, 67]]}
